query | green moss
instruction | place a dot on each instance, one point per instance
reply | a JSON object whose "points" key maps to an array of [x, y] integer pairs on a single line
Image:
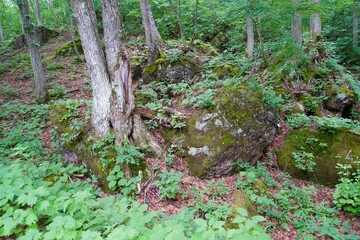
{"points": [[340, 145], [226, 71], [151, 70], [241, 200], [81, 146], [236, 110], [204, 48], [68, 48], [348, 92], [135, 60]]}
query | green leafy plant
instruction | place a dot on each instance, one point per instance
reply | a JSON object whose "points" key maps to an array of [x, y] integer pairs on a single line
{"points": [[347, 194], [57, 91], [8, 91], [128, 154], [304, 160], [117, 181], [169, 184], [298, 120], [177, 121]]}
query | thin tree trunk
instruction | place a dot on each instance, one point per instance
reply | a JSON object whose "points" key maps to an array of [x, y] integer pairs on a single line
{"points": [[315, 22], [152, 36], [2, 38], [37, 12], [195, 22], [32, 40], [51, 3], [178, 16], [356, 24], [250, 37], [72, 29], [296, 24]]}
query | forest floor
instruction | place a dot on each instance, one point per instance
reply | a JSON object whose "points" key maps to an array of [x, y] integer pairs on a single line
{"points": [[73, 78]]}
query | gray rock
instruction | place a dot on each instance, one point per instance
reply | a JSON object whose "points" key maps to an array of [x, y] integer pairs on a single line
{"points": [[339, 102], [183, 70], [237, 130]]}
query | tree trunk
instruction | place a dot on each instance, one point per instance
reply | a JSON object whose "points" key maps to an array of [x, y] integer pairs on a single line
{"points": [[356, 24], [51, 3], [152, 36], [178, 16], [2, 38], [195, 22], [250, 37], [315, 21], [296, 25], [37, 12], [72, 29], [96, 61], [113, 100], [32, 40]]}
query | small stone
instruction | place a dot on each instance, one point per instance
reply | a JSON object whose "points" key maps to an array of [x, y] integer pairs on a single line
{"points": [[195, 151]]}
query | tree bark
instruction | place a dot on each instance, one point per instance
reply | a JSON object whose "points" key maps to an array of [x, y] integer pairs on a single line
{"points": [[37, 12], [250, 37], [356, 24], [152, 36], [178, 16], [51, 3], [315, 21], [195, 22], [2, 38], [32, 40], [72, 29], [96, 62], [113, 99], [296, 24]]}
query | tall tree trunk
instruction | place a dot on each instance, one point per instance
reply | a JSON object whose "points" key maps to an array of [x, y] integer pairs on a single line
{"points": [[2, 38], [315, 21], [113, 100], [96, 61], [195, 22], [356, 24], [178, 16], [51, 3], [37, 12], [32, 40], [72, 29], [152, 36], [250, 37], [296, 25]]}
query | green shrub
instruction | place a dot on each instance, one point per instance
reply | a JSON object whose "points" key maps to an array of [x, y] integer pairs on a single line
{"points": [[169, 184], [347, 192]]}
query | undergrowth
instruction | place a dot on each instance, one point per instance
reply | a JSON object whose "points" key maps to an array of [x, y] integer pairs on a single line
{"points": [[41, 197]]}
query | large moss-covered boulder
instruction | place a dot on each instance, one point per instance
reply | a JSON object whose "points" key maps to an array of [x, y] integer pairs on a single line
{"points": [[237, 130], [44, 34], [305, 147], [181, 69]]}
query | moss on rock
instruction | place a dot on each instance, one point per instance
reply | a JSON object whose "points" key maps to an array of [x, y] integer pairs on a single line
{"points": [[226, 71], [164, 69], [237, 130], [328, 149], [68, 49]]}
